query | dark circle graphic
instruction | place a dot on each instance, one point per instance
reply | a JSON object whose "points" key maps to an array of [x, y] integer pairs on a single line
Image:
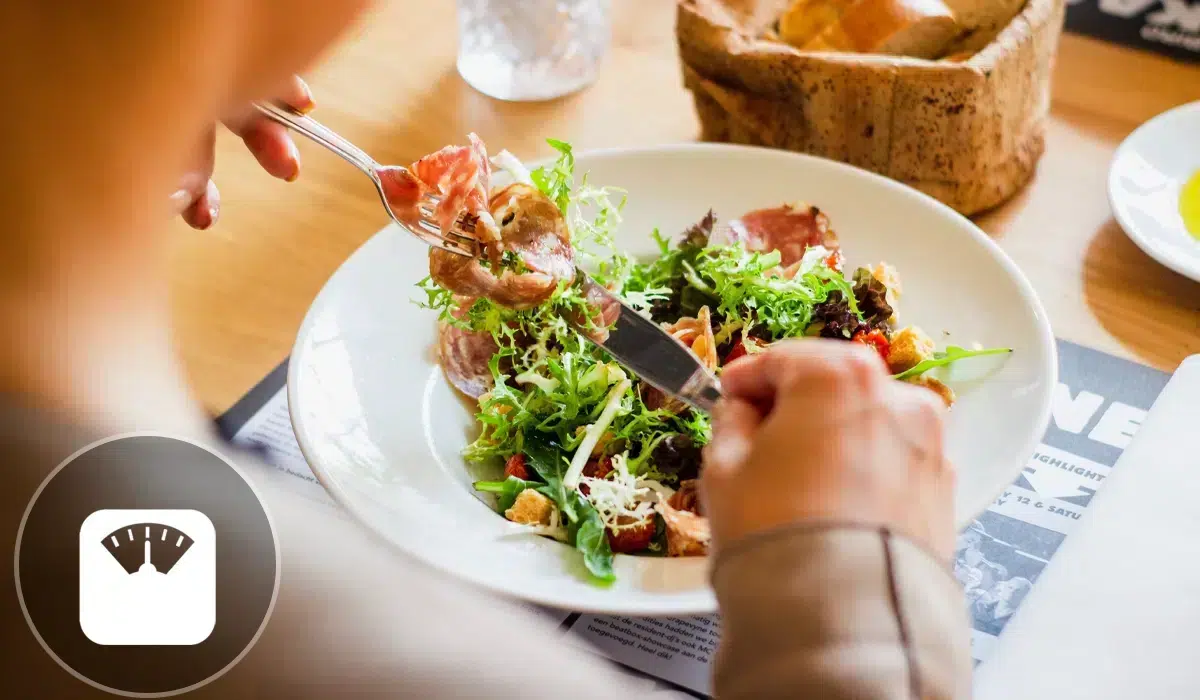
{"points": [[205, 536]]}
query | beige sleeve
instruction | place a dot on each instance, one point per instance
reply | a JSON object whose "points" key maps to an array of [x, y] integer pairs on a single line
{"points": [[807, 613], [839, 612]]}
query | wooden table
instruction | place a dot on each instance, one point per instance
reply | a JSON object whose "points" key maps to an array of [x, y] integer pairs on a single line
{"points": [[241, 290]]}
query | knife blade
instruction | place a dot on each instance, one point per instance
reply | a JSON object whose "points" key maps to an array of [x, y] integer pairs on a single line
{"points": [[646, 350]]}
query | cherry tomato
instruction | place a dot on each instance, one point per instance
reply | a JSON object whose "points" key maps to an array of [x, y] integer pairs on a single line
{"points": [[631, 537], [739, 349], [876, 339], [515, 466], [596, 469]]}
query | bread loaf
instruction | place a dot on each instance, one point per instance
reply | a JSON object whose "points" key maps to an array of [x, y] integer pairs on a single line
{"points": [[969, 133], [916, 28], [992, 15], [983, 20], [805, 19]]}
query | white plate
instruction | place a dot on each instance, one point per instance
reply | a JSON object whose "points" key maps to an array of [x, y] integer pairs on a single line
{"points": [[1147, 173], [383, 430]]}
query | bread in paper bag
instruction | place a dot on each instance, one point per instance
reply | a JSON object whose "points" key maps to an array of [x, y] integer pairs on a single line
{"points": [[967, 132]]}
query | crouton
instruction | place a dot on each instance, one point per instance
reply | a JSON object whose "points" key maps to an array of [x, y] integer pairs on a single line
{"points": [[937, 387], [909, 346], [530, 508]]}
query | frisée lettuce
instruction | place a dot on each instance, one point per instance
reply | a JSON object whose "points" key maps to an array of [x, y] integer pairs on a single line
{"points": [[602, 452]]}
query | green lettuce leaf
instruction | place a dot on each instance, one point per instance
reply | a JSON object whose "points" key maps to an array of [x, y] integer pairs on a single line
{"points": [[546, 458], [950, 355], [507, 491], [591, 539], [746, 290], [585, 528], [558, 181]]}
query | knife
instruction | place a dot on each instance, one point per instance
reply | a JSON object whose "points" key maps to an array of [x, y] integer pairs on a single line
{"points": [[646, 350]]}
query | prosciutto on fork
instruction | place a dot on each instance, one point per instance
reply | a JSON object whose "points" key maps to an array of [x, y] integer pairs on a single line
{"points": [[524, 235]]}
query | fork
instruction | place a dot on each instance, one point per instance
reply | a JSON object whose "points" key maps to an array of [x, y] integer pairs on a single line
{"points": [[459, 239], [637, 342]]}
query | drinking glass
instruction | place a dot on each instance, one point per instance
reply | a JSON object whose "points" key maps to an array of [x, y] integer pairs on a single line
{"points": [[527, 50]]}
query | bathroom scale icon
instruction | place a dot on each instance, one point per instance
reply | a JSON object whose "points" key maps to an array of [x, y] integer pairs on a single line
{"points": [[147, 577]]}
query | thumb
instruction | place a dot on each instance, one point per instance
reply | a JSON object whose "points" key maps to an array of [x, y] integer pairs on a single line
{"points": [[195, 197], [735, 422]]}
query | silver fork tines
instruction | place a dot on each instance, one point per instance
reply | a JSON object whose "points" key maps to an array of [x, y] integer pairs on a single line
{"points": [[459, 239]]}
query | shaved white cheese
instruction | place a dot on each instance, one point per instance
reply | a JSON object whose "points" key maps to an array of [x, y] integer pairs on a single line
{"points": [[546, 384], [813, 257], [661, 490], [513, 166], [621, 495], [594, 431]]}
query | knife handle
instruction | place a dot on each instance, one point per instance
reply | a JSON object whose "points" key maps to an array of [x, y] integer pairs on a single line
{"points": [[701, 391]]}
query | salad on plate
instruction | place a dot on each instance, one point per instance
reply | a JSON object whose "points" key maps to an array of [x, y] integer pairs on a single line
{"points": [[593, 457]]}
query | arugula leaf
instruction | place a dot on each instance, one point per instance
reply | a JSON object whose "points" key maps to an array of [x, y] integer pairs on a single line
{"points": [[557, 182], [507, 491], [546, 458], [951, 354], [585, 529], [591, 539]]}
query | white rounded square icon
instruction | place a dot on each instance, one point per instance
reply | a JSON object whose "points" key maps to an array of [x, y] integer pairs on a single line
{"points": [[147, 577]]}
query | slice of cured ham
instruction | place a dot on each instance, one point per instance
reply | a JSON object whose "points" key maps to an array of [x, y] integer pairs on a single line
{"points": [[464, 354], [533, 235], [460, 175], [791, 229], [688, 534], [526, 242], [687, 497], [604, 310]]}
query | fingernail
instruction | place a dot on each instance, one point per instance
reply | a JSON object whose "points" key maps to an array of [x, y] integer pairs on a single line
{"points": [[213, 212], [295, 156], [180, 200], [307, 103]]}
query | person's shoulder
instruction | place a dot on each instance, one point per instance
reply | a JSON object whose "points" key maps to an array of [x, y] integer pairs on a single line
{"points": [[33, 441], [39, 434]]}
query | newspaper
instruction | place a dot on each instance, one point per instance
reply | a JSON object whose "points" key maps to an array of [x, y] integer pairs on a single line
{"points": [[1099, 403], [1168, 27]]}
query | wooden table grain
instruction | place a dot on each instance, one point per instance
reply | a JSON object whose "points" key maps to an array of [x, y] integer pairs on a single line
{"points": [[241, 289]]}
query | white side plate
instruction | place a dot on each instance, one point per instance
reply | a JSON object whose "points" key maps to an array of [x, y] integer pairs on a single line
{"points": [[1147, 173]]}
